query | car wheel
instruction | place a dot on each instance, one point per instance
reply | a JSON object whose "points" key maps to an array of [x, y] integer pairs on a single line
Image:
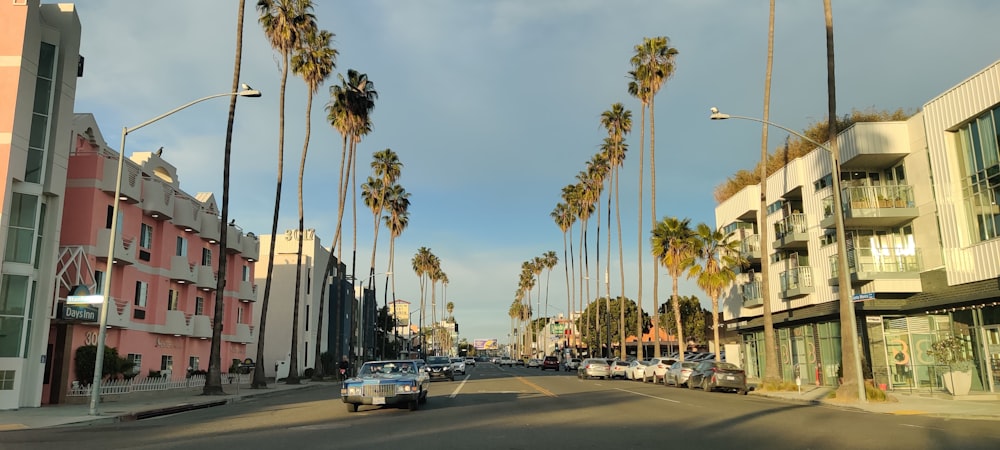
{"points": [[351, 407], [691, 385], [705, 386], [451, 378], [422, 398], [413, 405]]}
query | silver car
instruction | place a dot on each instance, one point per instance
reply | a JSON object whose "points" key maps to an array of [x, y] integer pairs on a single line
{"points": [[678, 373], [594, 367]]}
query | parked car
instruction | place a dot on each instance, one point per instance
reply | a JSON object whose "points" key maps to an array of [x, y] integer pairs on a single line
{"points": [[470, 362], [618, 369], [534, 363], [711, 375], [506, 361], [678, 373], [550, 362], [440, 367], [657, 369], [635, 369], [519, 362], [572, 364], [386, 383], [458, 365], [594, 367]]}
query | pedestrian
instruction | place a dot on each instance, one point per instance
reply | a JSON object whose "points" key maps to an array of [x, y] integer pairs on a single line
{"points": [[343, 367]]}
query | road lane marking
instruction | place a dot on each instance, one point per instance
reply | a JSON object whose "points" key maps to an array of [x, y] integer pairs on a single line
{"points": [[647, 395], [459, 388], [537, 387]]}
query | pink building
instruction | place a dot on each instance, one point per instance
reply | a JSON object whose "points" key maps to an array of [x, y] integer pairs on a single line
{"points": [[164, 282]]}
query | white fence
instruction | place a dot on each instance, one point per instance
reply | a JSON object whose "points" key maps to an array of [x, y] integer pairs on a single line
{"points": [[121, 387]]}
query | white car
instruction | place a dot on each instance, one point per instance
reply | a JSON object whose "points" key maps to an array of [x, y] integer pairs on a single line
{"points": [[506, 361], [657, 369], [635, 369], [458, 365]]}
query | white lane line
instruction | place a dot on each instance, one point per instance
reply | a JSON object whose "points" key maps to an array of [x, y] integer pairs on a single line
{"points": [[459, 388], [920, 426], [647, 395]]}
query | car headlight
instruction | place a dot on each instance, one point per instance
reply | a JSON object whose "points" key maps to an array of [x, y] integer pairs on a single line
{"points": [[351, 390], [403, 388]]}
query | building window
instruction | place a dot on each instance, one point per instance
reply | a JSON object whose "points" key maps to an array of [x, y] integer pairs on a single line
{"points": [[136, 360], [167, 362], [172, 300], [307, 318], [98, 282], [7, 380], [146, 237], [239, 315], [246, 272], [776, 206], [199, 306], [14, 291], [182, 246], [140, 293], [193, 363], [21, 229], [980, 154], [823, 183], [40, 114], [206, 257]]}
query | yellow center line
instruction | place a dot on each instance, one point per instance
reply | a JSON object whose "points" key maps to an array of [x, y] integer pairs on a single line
{"points": [[537, 387]]}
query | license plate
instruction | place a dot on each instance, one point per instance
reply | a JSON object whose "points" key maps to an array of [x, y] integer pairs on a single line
{"points": [[378, 400], [729, 377]]}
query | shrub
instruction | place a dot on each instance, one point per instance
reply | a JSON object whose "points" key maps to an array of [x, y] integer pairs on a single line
{"points": [[308, 373], [777, 386], [113, 365]]}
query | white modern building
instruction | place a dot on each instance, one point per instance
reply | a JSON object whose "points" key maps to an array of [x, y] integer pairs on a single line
{"points": [[922, 228]]}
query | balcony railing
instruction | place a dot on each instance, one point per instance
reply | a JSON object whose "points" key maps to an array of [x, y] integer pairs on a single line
{"points": [[871, 264], [750, 247], [872, 205], [791, 231], [751, 292], [797, 282]]}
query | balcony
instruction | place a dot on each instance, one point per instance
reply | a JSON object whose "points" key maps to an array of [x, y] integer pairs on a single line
{"points": [[201, 326], [186, 214], [157, 198], [234, 239], [751, 293], [251, 247], [205, 278], [872, 206], [124, 247], [121, 315], [750, 248], [131, 188], [868, 265], [181, 270], [210, 226], [796, 282], [176, 323], [792, 232], [248, 291], [243, 334]]}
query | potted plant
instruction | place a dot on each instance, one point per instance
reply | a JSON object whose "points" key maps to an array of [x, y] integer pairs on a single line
{"points": [[950, 351]]}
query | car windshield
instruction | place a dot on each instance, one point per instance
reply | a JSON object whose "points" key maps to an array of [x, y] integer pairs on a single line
{"points": [[388, 368], [438, 360], [728, 366]]}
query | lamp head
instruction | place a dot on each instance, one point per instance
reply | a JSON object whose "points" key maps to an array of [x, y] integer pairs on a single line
{"points": [[247, 91], [716, 115]]}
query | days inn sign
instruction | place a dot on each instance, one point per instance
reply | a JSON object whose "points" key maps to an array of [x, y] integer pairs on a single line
{"points": [[80, 305]]}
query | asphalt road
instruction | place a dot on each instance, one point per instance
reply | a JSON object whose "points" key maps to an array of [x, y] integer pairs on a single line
{"points": [[519, 408]]}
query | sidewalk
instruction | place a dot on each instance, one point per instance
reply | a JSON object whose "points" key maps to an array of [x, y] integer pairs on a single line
{"points": [[137, 406], [975, 406]]}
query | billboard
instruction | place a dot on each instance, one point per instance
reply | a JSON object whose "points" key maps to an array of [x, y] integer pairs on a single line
{"points": [[485, 344]]}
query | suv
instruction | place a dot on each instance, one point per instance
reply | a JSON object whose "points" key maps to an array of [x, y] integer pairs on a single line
{"points": [[550, 362], [572, 364]]}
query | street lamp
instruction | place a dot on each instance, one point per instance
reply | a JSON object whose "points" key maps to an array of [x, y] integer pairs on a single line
{"points": [[95, 393], [843, 276]]}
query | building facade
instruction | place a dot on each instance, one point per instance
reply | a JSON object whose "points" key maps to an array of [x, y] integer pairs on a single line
{"points": [[920, 218], [165, 268], [39, 64]]}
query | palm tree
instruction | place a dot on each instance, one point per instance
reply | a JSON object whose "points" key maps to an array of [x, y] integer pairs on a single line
{"points": [[422, 263], [570, 196], [397, 219], [771, 371], [314, 62], [549, 261], [285, 22], [515, 318], [213, 382], [719, 254], [564, 220], [673, 244], [434, 274], [653, 65], [618, 122], [451, 310], [386, 168]]}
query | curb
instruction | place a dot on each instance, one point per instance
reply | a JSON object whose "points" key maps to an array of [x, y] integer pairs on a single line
{"points": [[185, 407]]}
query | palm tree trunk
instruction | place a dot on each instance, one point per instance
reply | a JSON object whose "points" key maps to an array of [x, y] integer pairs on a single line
{"points": [[771, 371], [621, 264], [258, 376], [652, 214], [569, 301], [293, 370], [213, 384], [681, 344], [638, 332], [607, 270]]}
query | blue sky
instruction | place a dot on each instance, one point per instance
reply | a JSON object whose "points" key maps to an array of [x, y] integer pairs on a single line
{"points": [[493, 107]]}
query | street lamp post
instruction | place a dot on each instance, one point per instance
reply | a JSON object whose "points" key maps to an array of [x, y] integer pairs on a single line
{"points": [[95, 392], [843, 274]]}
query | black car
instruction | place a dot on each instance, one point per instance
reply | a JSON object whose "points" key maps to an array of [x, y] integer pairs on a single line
{"points": [[711, 375], [440, 367]]}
